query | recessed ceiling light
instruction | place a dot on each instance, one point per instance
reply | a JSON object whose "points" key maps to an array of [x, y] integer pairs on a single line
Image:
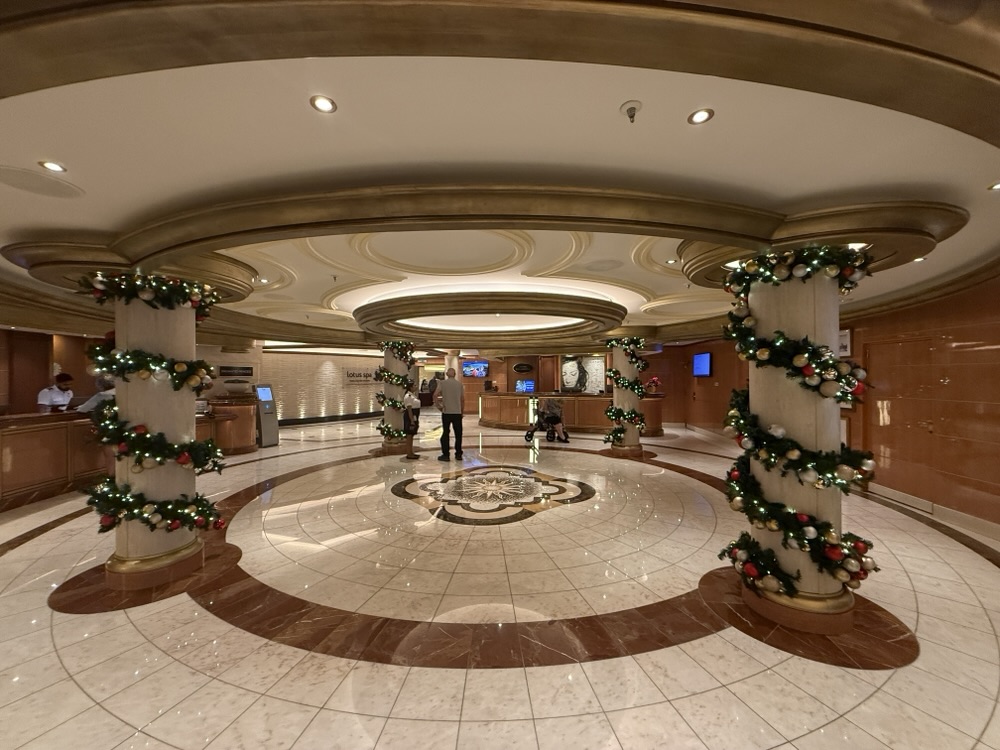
{"points": [[52, 166], [701, 116], [857, 245], [323, 104], [263, 281], [671, 261], [995, 186], [732, 265], [917, 260]]}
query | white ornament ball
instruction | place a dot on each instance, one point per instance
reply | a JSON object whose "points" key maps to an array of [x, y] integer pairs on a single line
{"points": [[92, 370], [829, 388], [841, 575], [770, 583], [808, 475], [800, 360], [739, 566], [160, 375], [749, 322], [777, 431], [148, 508], [98, 283], [860, 373], [868, 465], [149, 462], [831, 271], [800, 271], [809, 532], [155, 517], [136, 468], [868, 563], [747, 444], [736, 503], [742, 555], [843, 368], [853, 584], [116, 352], [852, 565], [781, 272], [729, 431], [858, 274], [741, 311], [814, 380]]}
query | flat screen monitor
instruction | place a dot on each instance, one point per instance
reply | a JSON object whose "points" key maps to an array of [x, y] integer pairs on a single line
{"points": [[701, 365], [264, 393], [524, 386], [477, 368]]}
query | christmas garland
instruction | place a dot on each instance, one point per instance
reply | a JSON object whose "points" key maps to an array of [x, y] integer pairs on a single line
{"points": [[390, 432], [771, 448], [117, 504], [618, 415], [401, 350], [620, 381], [384, 400], [155, 291], [843, 556], [196, 374], [629, 345], [384, 375], [150, 450]]}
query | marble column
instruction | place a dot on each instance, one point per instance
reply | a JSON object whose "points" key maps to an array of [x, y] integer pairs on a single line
{"points": [[145, 558], [391, 416], [809, 309], [626, 400]]}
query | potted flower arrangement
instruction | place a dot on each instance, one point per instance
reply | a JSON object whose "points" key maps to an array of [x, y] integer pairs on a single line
{"points": [[652, 384]]}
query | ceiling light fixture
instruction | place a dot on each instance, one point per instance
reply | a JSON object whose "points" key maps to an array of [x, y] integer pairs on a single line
{"points": [[995, 187], [701, 116], [917, 260], [857, 245], [263, 281], [671, 261], [630, 108], [52, 166], [323, 104]]}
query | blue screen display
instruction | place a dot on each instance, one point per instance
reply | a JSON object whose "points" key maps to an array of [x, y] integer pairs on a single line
{"points": [[701, 365], [524, 386], [264, 393]]}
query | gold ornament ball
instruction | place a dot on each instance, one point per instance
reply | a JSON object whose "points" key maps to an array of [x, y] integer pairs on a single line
{"points": [[144, 374], [841, 575], [180, 367]]}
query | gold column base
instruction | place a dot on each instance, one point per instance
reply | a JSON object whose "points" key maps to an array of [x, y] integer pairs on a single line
{"points": [[390, 449], [133, 574], [626, 451], [810, 613]]}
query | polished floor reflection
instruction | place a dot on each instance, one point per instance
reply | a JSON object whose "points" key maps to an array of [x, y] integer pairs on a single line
{"points": [[525, 597]]}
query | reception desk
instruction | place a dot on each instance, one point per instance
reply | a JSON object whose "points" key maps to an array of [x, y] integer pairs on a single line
{"points": [[581, 413], [44, 455]]}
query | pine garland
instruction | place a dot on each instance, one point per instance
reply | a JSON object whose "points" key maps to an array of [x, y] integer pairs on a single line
{"points": [[758, 567], [156, 291], [393, 403], [389, 432], [196, 374], [620, 381], [117, 504], [401, 350], [630, 345], [384, 375]]}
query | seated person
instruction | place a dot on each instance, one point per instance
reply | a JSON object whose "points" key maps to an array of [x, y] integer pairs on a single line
{"points": [[552, 408]]}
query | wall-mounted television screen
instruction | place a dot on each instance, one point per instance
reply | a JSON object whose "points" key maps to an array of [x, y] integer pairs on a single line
{"points": [[524, 386], [475, 368], [701, 365]]}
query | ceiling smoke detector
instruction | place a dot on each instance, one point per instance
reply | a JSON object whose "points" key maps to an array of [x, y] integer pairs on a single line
{"points": [[630, 108]]}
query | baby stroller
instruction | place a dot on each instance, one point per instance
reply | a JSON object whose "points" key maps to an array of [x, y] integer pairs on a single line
{"points": [[541, 423]]}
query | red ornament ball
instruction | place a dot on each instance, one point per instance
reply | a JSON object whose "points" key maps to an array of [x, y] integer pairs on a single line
{"points": [[108, 520], [174, 525], [184, 458], [860, 546], [199, 521], [751, 570], [140, 429], [858, 389], [733, 552], [98, 293], [123, 447], [802, 517], [219, 523], [734, 474], [808, 370], [833, 552]]}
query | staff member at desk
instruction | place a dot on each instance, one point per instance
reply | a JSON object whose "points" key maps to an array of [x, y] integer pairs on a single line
{"points": [[56, 397]]}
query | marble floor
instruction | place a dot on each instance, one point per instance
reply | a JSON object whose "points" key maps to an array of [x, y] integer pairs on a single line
{"points": [[527, 596]]}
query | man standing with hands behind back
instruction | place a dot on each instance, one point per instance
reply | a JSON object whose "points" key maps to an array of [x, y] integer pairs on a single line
{"points": [[450, 399]]}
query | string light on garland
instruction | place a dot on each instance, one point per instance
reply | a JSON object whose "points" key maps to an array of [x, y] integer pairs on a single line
{"points": [[117, 504], [620, 381], [401, 350], [156, 291], [618, 415], [393, 403], [630, 346], [148, 450], [196, 374], [390, 432], [384, 375], [816, 368]]}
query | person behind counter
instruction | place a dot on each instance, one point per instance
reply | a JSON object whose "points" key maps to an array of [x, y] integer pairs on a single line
{"points": [[56, 397], [105, 391]]}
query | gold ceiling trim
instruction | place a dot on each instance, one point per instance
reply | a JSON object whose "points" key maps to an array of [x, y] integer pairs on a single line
{"points": [[943, 70], [282, 275], [642, 256], [383, 318], [354, 241], [522, 250], [579, 242]]}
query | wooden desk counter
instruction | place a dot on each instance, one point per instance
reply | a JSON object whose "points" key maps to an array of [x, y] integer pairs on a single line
{"points": [[44, 455], [581, 413]]}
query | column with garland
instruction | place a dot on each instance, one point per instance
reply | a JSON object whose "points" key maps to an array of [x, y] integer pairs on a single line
{"points": [[151, 503], [797, 562], [394, 372], [628, 421]]}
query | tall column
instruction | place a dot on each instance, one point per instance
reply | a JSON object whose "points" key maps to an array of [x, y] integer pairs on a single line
{"points": [[397, 361], [800, 310], [627, 400], [153, 403], [796, 562]]}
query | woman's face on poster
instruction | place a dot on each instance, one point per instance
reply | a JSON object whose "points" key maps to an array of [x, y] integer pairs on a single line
{"points": [[571, 372]]}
